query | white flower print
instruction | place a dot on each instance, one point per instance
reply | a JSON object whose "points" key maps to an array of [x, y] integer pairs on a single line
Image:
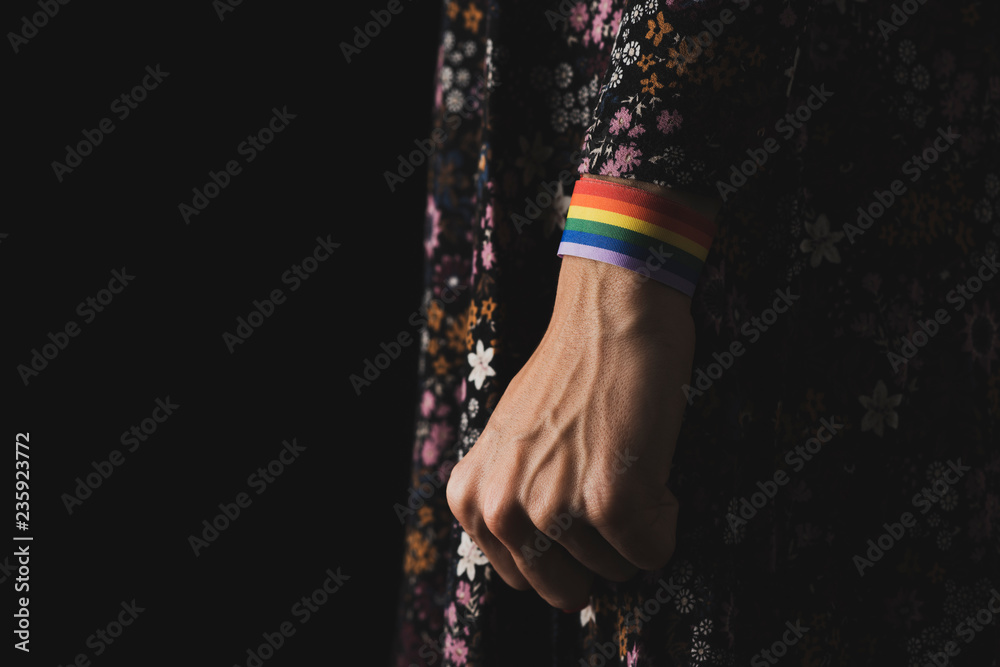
{"points": [[681, 572], [821, 245], [480, 362], [992, 185], [685, 601], [630, 54], [616, 77], [471, 437], [880, 409], [936, 471], [734, 529], [471, 556], [699, 651], [587, 615], [560, 120], [920, 78], [907, 51], [563, 75], [944, 539], [949, 501], [453, 101]]}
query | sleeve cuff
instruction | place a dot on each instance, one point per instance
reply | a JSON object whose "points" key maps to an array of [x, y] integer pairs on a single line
{"points": [[637, 230]]}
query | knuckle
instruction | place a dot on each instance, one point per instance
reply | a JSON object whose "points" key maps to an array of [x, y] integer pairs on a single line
{"points": [[459, 494], [611, 508], [499, 516], [549, 514]]}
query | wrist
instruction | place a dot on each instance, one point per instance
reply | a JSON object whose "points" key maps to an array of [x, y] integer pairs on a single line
{"points": [[594, 295]]}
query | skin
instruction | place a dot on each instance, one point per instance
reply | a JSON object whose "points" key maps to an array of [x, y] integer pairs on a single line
{"points": [[585, 431]]}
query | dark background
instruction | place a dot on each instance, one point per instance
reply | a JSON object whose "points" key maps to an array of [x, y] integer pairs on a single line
{"points": [[162, 335]]}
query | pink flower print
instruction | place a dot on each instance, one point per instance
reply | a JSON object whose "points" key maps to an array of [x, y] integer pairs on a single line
{"points": [[578, 16], [488, 255], [427, 403], [668, 121], [621, 121], [463, 593], [439, 435], [627, 158]]}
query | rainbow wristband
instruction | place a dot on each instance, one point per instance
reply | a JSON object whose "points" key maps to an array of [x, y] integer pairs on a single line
{"points": [[637, 230]]}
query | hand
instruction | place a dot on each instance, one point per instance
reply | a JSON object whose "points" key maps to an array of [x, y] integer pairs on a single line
{"points": [[580, 444]]}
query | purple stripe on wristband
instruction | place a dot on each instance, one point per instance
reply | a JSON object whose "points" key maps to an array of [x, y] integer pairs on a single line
{"points": [[624, 261]]}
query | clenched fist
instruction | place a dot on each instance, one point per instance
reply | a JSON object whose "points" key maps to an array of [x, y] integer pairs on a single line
{"points": [[568, 479]]}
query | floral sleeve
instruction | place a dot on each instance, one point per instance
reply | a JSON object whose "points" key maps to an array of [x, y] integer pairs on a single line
{"points": [[688, 88]]}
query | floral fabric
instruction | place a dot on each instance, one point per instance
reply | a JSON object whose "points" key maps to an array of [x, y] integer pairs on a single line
{"points": [[838, 469]]}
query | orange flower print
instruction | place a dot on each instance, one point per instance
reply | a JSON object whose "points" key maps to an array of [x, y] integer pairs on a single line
{"points": [[456, 334], [452, 10], [434, 313], [488, 307], [426, 515], [420, 554], [646, 61], [680, 57], [651, 84], [659, 29], [472, 16]]}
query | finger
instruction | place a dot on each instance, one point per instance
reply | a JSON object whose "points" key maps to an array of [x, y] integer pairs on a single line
{"points": [[584, 543], [641, 527], [462, 495], [499, 557], [559, 579]]}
